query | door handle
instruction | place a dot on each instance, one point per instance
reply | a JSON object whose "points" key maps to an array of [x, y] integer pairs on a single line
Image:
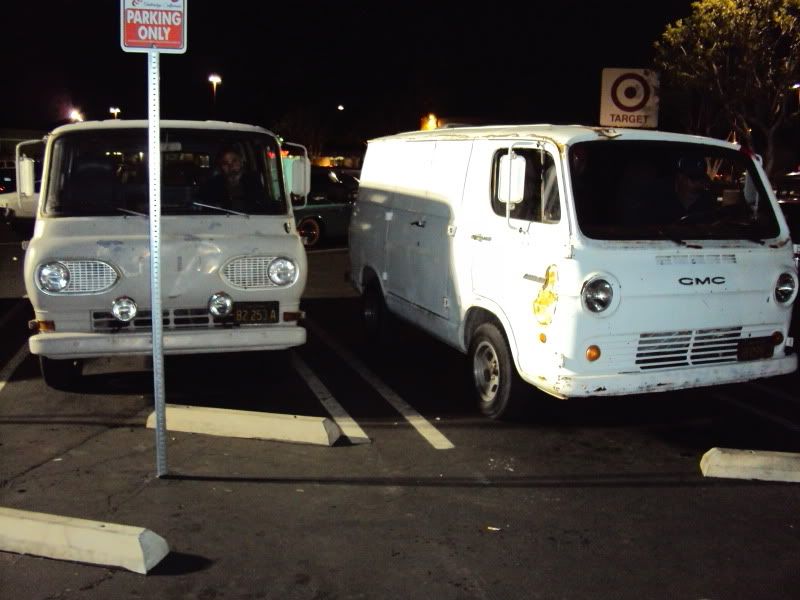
{"points": [[481, 238], [420, 223]]}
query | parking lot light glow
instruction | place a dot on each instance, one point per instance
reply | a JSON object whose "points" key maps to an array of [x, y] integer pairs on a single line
{"points": [[114, 111], [75, 115]]}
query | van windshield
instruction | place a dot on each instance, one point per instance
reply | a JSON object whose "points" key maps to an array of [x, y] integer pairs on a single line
{"points": [[104, 172], [646, 190]]}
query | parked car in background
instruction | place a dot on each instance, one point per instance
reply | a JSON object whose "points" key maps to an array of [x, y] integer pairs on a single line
{"points": [[326, 215], [8, 180]]}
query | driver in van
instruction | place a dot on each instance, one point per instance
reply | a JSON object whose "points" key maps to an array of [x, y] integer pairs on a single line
{"points": [[233, 187], [692, 191]]}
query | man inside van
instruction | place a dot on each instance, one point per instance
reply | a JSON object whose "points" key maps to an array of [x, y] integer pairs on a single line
{"points": [[692, 191], [233, 187]]}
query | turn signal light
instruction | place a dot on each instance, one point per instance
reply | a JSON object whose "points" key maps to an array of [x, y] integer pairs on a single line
{"points": [[293, 316], [592, 353], [42, 326], [777, 338]]}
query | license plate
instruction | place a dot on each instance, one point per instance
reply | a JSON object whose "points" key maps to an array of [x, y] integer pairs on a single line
{"points": [[248, 313], [755, 349]]}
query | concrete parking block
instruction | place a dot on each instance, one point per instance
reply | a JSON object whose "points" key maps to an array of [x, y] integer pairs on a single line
{"points": [[751, 464], [80, 540], [249, 424]]}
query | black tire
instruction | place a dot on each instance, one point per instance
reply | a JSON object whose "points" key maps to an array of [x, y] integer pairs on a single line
{"points": [[495, 382], [377, 319], [310, 230], [62, 375]]}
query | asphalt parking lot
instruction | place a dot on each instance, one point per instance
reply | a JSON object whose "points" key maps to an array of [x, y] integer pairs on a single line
{"points": [[600, 498]]}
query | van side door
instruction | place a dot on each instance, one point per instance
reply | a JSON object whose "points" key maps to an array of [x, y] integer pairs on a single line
{"points": [[511, 252]]}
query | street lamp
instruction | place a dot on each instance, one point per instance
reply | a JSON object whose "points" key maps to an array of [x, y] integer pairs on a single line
{"points": [[114, 111], [340, 107], [75, 115], [215, 80], [796, 86]]}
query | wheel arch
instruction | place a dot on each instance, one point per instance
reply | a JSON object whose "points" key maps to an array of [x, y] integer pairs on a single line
{"points": [[477, 315]]}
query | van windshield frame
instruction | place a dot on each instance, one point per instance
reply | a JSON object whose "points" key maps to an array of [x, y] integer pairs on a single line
{"points": [[665, 190], [104, 172]]}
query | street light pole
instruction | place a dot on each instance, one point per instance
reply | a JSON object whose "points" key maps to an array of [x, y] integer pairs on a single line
{"points": [[114, 111], [215, 80]]}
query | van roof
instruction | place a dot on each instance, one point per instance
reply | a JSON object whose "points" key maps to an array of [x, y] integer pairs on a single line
{"points": [[165, 123], [559, 134]]}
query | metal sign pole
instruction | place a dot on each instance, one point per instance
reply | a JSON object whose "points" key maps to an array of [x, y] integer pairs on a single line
{"points": [[154, 165]]}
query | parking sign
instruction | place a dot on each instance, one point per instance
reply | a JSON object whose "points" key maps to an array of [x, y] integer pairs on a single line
{"points": [[153, 25]]}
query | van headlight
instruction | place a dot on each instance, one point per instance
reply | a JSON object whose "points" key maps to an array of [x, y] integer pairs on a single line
{"points": [[597, 295], [785, 288], [282, 271], [53, 277]]}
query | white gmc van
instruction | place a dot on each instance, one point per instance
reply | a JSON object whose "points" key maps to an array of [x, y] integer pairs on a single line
{"points": [[233, 267], [583, 261]]}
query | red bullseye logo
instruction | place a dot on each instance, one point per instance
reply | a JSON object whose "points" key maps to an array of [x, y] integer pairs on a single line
{"points": [[630, 92]]}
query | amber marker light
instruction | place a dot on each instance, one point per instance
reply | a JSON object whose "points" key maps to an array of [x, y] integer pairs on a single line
{"points": [[543, 338], [777, 338], [592, 353]]}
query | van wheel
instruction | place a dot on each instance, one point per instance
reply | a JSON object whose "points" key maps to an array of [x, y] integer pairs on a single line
{"points": [[310, 230], [61, 374], [495, 380], [377, 320]]}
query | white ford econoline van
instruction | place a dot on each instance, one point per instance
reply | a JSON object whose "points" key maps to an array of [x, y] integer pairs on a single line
{"points": [[592, 262], [233, 267]]}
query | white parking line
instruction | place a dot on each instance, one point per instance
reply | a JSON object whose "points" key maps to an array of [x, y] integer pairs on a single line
{"points": [[11, 365], [432, 435], [349, 427]]}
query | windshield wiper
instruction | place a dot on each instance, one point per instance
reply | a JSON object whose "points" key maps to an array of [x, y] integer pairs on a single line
{"points": [[132, 212], [227, 210]]}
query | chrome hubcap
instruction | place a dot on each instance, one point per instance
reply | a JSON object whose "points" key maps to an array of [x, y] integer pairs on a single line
{"points": [[486, 371]]}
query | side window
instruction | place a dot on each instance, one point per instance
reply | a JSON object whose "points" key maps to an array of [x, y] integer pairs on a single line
{"points": [[541, 202]]}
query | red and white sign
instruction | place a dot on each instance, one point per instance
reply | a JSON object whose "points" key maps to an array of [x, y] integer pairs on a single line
{"points": [[153, 25], [629, 98]]}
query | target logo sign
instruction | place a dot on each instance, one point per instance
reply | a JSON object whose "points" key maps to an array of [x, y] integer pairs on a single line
{"points": [[629, 98]]}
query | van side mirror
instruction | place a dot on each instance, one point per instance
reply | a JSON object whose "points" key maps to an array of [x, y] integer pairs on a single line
{"points": [[25, 176], [511, 180], [297, 174], [301, 177]]}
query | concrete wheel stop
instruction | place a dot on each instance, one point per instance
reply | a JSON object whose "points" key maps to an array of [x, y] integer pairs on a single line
{"points": [[249, 424], [80, 540]]}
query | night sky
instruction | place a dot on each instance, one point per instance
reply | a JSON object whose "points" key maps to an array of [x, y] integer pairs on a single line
{"points": [[282, 62]]}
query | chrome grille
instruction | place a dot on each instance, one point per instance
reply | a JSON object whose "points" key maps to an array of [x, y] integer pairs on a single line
{"points": [[671, 349], [89, 276], [177, 318], [249, 272]]}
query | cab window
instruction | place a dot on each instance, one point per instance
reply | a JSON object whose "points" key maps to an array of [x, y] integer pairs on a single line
{"points": [[541, 201]]}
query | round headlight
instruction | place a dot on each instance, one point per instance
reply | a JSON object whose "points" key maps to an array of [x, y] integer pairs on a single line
{"points": [[124, 309], [53, 277], [785, 288], [220, 304], [597, 295], [282, 271]]}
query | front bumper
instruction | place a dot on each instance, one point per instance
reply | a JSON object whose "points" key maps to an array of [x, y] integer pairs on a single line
{"points": [[196, 341], [663, 380]]}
